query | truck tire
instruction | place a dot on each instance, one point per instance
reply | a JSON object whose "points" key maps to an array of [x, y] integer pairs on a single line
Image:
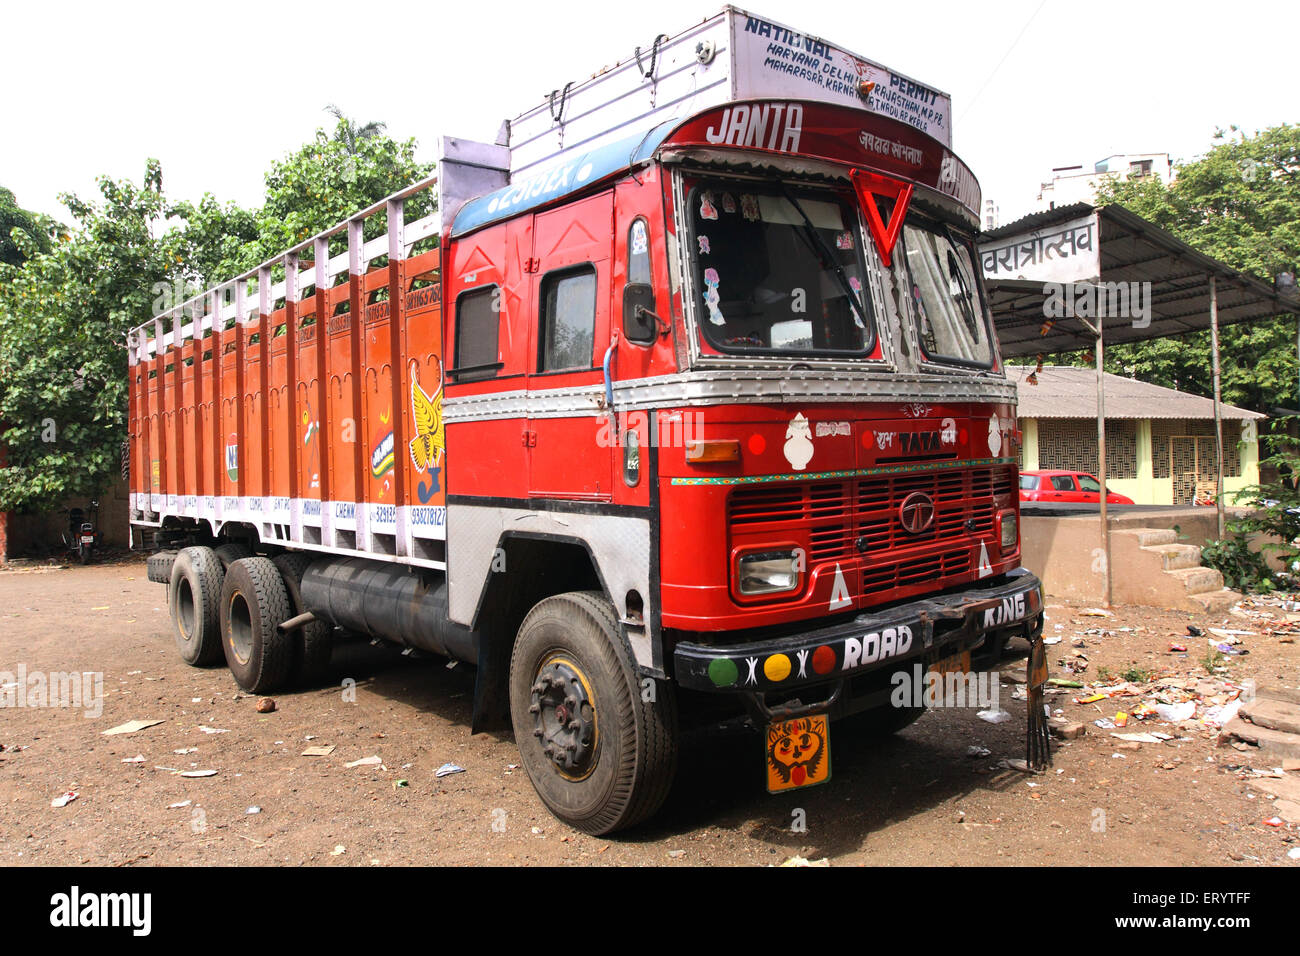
{"points": [[254, 602], [600, 756], [158, 568], [194, 601], [312, 643], [230, 552]]}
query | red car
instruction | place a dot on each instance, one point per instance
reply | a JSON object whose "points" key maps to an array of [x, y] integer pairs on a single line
{"points": [[1066, 486]]}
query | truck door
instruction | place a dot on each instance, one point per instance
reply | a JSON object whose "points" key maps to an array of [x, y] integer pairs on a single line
{"points": [[571, 310]]}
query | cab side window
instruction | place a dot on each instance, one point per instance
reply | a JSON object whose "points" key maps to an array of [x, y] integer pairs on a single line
{"points": [[568, 320], [478, 327]]}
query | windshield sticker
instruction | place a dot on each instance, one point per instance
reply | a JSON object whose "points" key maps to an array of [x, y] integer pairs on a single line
{"points": [[704, 245], [728, 203], [798, 443], [640, 243], [844, 240], [712, 298], [749, 206], [707, 209], [856, 285]]}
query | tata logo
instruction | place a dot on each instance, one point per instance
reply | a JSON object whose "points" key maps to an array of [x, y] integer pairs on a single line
{"points": [[916, 513], [919, 443], [775, 126]]}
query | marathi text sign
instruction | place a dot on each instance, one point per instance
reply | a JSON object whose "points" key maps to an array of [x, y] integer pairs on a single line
{"points": [[1065, 252], [773, 61]]}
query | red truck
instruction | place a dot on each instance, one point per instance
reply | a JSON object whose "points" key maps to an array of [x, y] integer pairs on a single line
{"points": [[681, 403]]}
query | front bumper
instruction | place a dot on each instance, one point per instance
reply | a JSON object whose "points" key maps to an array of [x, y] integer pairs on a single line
{"points": [[912, 631]]}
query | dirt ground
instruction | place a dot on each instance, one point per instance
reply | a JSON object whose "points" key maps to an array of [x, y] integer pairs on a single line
{"points": [[916, 798]]}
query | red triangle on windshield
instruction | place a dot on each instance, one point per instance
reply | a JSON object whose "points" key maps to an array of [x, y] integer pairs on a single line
{"points": [[868, 186]]}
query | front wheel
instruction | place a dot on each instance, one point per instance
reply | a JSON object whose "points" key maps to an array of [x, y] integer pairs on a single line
{"points": [[599, 745]]}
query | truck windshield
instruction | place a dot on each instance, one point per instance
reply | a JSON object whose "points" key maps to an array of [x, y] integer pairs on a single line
{"points": [[945, 299], [778, 270]]}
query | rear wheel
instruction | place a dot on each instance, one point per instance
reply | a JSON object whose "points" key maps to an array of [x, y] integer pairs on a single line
{"points": [[600, 750], [312, 643], [254, 602], [230, 552], [194, 601]]}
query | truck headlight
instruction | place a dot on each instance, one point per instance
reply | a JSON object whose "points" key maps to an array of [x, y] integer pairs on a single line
{"points": [[770, 572], [1010, 531]]}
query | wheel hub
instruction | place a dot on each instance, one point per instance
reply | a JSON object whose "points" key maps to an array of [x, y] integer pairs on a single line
{"points": [[564, 717]]}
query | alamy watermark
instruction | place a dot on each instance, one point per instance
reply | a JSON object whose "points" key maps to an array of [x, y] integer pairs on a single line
{"points": [[77, 690], [930, 688], [1091, 300]]}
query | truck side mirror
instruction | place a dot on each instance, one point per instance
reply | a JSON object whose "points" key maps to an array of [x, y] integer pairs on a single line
{"points": [[639, 321]]}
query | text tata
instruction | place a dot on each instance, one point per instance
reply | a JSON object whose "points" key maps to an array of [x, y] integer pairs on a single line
{"points": [[890, 642], [763, 126]]}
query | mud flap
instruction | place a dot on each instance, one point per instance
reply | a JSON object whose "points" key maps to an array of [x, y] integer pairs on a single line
{"points": [[1038, 741], [491, 685]]}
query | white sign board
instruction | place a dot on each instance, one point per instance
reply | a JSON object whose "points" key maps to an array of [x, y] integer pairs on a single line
{"points": [[771, 60], [1065, 252]]}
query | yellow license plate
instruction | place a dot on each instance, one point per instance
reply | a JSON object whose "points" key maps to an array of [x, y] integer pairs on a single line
{"points": [[798, 753], [956, 664]]}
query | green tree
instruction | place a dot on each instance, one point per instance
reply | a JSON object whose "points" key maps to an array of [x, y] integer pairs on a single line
{"points": [[1240, 203], [34, 230], [62, 357]]}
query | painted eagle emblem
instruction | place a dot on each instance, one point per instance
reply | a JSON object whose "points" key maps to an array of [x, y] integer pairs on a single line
{"points": [[426, 413]]}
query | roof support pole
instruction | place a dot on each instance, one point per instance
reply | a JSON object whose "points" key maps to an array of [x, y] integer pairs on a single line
{"points": [[1218, 418], [1101, 462], [1100, 355]]}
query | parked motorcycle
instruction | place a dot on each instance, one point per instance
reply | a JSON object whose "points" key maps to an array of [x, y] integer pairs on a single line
{"points": [[82, 536]]}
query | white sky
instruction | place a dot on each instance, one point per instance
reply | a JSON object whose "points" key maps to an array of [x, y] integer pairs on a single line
{"points": [[218, 90]]}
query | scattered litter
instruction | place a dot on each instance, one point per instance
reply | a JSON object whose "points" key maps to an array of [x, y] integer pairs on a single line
{"points": [[1105, 723], [319, 751], [186, 750], [800, 861], [1121, 719], [1095, 612], [1176, 713], [974, 750], [401, 783], [178, 806], [677, 854], [1120, 756], [1271, 822], [1138, 738], [196, 700], [448, 769], [65, 798], [1293, 853], [138, 758], [365, 762], [266, 706], [213, 730], [252, 810], [1051, 640], [1058, 682], [338, 850], [1177, 648], [993, 716], [198, 773], [130, 727]]}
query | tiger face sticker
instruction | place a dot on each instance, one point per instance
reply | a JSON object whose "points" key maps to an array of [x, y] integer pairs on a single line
{"points": [[797, 753]]}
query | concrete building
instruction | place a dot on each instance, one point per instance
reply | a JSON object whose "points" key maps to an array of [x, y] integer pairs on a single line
{"points": [[1159, 442], [1075, 184]]}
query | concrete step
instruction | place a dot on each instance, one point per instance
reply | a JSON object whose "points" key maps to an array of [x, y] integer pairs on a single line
{"points": [[1274, 714], [1198, 580], [1149, 536], [1273, 742], [1176, 556], [1212, 602]]}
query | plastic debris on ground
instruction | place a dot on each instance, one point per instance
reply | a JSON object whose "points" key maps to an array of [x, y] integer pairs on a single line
{"points": [[130, 727], [63, 799], [198, 773], [800, 861], [365, 762], [448, 769], [993, 716]]}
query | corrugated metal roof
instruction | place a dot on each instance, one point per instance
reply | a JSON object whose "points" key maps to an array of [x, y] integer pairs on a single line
{"points": [[1070, 392], [1131, 250]]}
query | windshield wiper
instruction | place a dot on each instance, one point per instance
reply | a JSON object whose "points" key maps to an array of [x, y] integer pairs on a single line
{"points": [[818, 247]]}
